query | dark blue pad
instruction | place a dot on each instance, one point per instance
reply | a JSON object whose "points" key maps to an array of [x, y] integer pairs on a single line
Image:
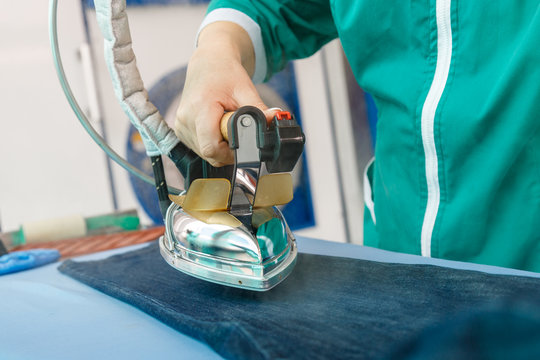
{"points": [[328, 308]]}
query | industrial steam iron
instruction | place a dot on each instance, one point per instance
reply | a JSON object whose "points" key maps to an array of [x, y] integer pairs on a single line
{"points": [[225, 227]]}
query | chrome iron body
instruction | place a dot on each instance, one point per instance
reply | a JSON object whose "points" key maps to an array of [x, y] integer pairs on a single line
{"points": [[229, 255]]}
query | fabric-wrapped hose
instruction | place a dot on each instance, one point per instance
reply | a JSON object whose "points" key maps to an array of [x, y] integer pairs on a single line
{"points": [[157, 136]]}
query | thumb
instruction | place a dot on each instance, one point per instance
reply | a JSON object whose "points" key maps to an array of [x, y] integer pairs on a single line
{"points": [[270, 113], [252, 98]]}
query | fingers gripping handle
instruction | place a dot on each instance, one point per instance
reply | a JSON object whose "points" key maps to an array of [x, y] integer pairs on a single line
{"points": [[280, 144], [190, 165]]}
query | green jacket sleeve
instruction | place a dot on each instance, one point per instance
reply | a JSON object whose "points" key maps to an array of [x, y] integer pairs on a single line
{"points": [[291, 29]]}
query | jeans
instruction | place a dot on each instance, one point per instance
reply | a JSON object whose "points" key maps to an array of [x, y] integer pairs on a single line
{"points": [[328, 308]]}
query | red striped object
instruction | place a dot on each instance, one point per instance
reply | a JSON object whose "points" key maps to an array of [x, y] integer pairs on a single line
{"points": [[91, 244]]}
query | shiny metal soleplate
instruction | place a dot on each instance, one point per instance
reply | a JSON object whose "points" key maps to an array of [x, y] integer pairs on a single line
{"points": [[265, 282], [230, 255]]}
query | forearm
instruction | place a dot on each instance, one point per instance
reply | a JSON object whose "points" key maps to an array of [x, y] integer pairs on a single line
{"points": [[279, 30], [228, 40]]}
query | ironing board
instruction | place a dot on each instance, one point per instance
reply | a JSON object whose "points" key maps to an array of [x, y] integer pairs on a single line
{"points": [[47, 315]]}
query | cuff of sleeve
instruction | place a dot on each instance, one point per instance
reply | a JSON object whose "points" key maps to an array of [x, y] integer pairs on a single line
{"points": [[252, 28]]}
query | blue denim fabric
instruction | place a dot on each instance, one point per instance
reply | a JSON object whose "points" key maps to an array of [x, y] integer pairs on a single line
{"points": [[328, 308], [500, 331]]}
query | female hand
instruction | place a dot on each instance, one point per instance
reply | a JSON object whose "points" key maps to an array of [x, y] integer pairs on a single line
{"points": [[218, 80]]}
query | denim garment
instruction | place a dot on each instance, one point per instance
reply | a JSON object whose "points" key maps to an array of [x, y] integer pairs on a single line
{"points": [[501, 331], [328, 308]]}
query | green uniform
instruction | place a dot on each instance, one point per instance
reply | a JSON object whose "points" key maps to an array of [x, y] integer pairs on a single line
{"points": [[457, 86]]}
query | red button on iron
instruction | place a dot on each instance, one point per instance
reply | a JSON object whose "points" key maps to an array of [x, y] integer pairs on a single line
{"points": [[283, 115]]}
